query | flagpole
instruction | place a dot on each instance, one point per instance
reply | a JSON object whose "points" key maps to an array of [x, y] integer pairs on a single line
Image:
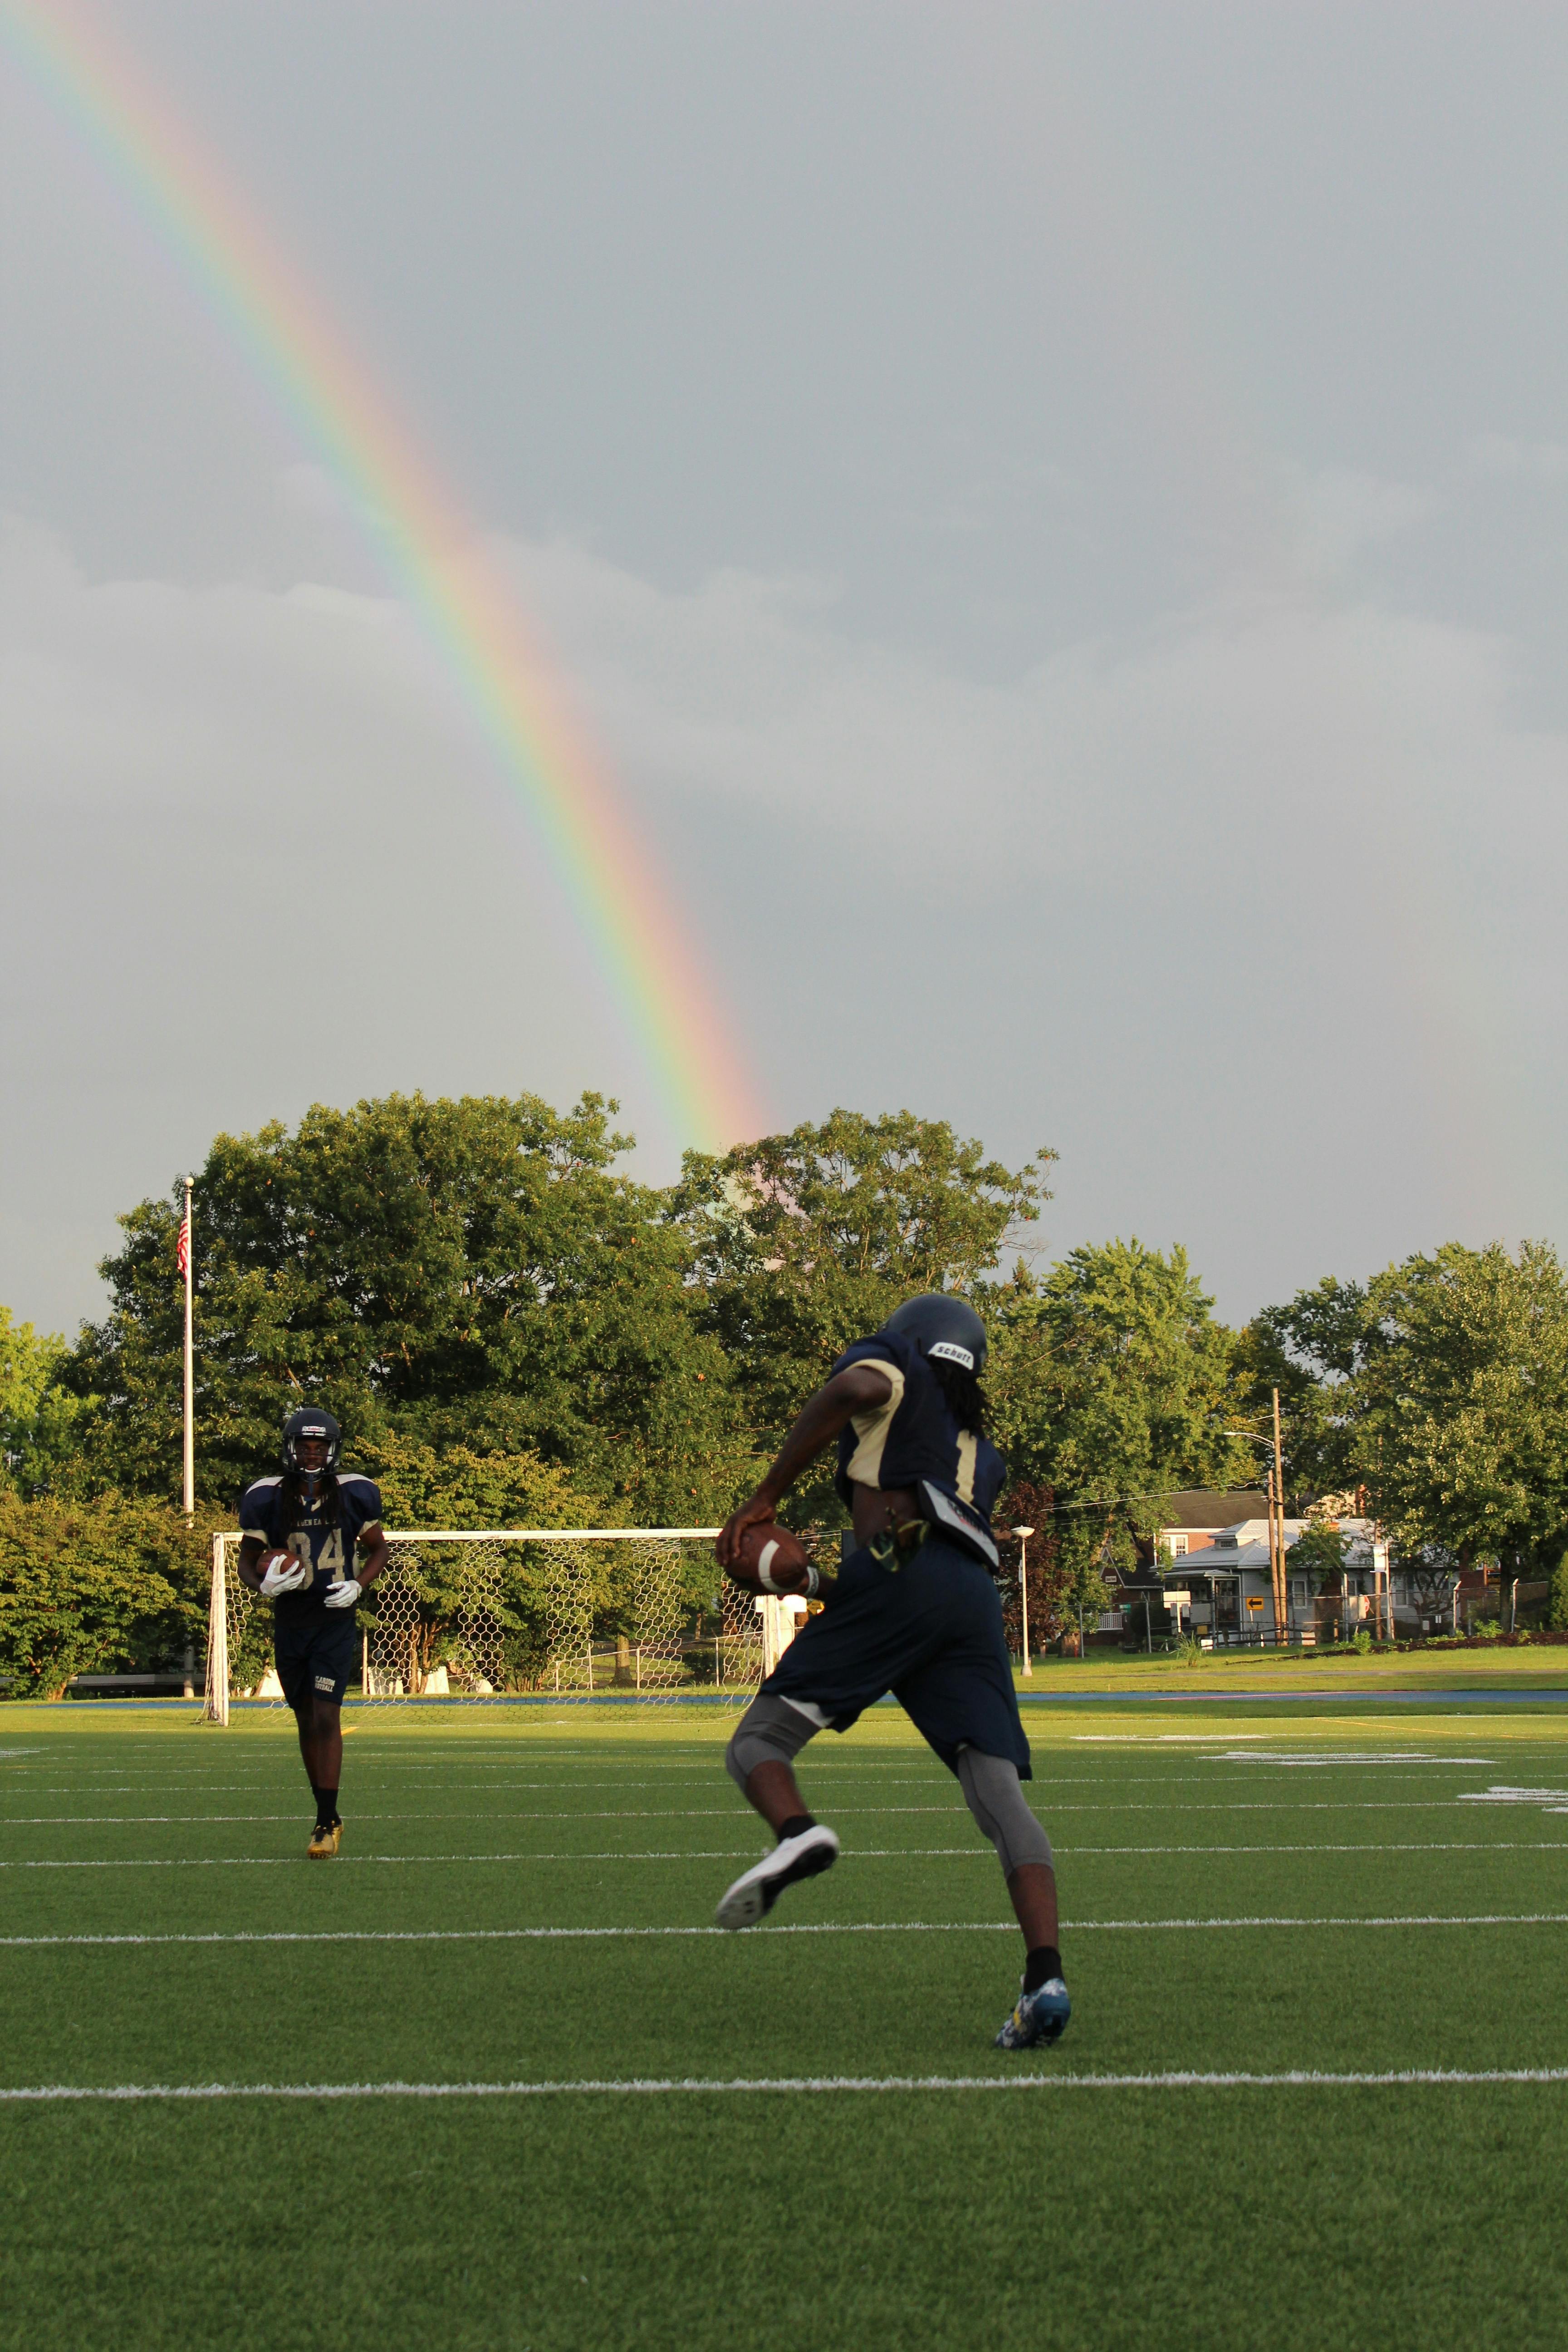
{"points": [[190, 1450]]}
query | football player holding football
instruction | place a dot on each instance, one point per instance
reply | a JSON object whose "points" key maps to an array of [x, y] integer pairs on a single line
{"points": [[914, 1610], [300, 1530]]}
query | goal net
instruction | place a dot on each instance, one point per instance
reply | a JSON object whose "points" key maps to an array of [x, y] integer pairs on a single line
{"points": [[480, 1613]]}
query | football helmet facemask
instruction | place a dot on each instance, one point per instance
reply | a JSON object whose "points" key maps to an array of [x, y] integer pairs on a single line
{"points": [[309, 1421]]}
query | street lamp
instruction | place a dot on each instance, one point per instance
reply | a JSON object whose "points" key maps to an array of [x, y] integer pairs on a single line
{"points": [[1022, 1535]]}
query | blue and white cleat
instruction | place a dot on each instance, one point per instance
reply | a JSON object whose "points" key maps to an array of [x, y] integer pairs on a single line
{"points": [[756, 1891], [1040, 2018]]}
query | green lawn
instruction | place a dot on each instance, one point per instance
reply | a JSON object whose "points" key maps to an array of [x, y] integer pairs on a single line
{"points": [[1251, 1885]]}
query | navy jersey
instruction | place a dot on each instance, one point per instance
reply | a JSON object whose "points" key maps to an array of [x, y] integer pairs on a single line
{"points": [[328, 1549], [913, 1436]]}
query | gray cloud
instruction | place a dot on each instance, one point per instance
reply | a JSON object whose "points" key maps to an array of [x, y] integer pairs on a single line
{"points": [[1057, 517], [1230, 911]]}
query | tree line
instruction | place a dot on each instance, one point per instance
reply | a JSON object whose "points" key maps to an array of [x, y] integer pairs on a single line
{"points": [[513, 1330]]}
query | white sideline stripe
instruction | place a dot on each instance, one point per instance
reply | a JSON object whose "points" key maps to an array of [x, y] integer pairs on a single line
{"points": [[976, 1853], [676, 1813], [826, 1927], [1297, 2078], [663, 1813], [823, 1771], [288, 1861], [869, 1853]]}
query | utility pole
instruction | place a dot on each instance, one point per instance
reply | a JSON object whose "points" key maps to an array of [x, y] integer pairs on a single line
{"points": [[185, 1255], [1281, 1614], [1273, 1552]]}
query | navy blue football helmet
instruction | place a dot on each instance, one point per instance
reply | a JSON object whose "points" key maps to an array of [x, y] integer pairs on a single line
{"points": [[942, 1327], [312, 1422]]}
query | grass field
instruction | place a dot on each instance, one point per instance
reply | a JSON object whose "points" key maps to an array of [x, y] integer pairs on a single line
{"points": [[825, 2150]]}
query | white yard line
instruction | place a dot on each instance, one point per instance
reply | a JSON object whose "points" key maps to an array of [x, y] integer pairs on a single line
{"points": [[1299, 2078], [976, 1853], [828, 1928], [661, 1813], [1261, 1805]]}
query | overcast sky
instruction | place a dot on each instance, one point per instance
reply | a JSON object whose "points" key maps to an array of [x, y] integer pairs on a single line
{"points": [[1056, 514]]}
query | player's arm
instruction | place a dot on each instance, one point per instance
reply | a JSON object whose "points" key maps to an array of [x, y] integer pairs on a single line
{"points": [[267, 1571], [857, 1389], [374, 1554], [371, 1543]]}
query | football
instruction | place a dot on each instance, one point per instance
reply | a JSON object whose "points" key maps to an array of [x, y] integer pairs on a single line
{"points": [[772, 1561], [282, 1561]]}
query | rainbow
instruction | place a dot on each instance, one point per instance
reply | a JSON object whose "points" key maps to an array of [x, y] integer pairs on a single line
{"points": [[432, 551]]}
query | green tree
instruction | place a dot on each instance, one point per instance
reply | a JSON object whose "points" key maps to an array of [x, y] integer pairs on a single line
{"points": [[471, 1270], [1037, 1556], [1557, 1613], [1112, 1382], [39, 1419], [1087, 1551], [802, 1243], [1461, 1404], [1310, 1350], [101, 1587], [1319, 1554], [454, 1487]]}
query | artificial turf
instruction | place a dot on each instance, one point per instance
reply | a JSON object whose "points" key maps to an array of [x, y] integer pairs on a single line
{"points": [[1350, 1843]]}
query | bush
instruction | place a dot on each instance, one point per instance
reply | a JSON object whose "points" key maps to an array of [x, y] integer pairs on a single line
{"points": [[94, 1588], [1557, 1606]]}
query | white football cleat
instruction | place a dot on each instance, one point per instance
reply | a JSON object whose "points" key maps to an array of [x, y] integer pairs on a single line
{"points": [[756, 1891]]}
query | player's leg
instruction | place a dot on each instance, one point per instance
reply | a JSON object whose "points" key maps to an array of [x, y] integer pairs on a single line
{"points": [[759, 1760], [291, 1656], [961, 1699], [994, 1796], [878, 1627], [323, 1747], [330, 1660]]}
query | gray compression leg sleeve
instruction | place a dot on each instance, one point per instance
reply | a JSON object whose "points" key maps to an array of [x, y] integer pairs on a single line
{"points": [[770, 1732], [995, 1795]]}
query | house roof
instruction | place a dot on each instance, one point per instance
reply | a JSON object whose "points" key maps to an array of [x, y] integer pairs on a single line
{"points": [[1245, 1546], [1200, 1506]]}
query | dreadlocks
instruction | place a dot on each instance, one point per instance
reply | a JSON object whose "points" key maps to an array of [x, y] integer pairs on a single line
{"points": [[966, 1397]]}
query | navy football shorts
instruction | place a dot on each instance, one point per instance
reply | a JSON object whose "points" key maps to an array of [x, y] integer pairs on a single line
{"points": [[931, 1632], [316, 1655]]}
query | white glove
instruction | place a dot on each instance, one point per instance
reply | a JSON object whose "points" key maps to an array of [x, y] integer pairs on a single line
{"points": [[283, 1579], [343, 1595]]}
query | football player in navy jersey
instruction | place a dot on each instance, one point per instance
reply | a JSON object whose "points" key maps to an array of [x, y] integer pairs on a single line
{"points": [[914, 1610], [300, 1530]]}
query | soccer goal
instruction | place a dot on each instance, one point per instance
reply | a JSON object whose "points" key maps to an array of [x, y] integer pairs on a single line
{"points": [[482, 1614]]}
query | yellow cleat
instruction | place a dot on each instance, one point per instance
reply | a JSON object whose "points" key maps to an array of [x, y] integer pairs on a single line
{"points": [[325, 1840]]}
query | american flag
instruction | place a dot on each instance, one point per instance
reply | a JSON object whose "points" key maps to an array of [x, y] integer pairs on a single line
{"points": [[183, 1246]]}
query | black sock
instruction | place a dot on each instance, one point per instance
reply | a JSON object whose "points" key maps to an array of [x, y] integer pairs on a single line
{"points": [[794, 1827], [326, 1804], [1043, 1963]]}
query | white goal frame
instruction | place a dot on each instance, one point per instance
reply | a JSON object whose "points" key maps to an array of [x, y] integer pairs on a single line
{"points": [[215, 1703]]}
